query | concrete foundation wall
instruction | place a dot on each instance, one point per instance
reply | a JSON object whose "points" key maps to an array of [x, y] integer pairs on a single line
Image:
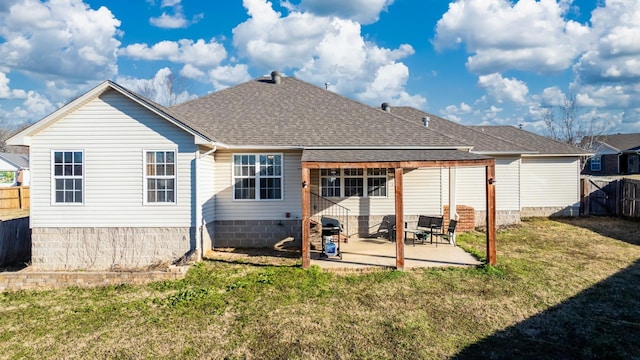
{"points": [[108, 248], [551, 211], [503, 218], [257, 233]]}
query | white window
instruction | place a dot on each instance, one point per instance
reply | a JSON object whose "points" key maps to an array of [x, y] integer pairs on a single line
{"points": [[160, 176], [376, 182], [353, 182], [257, 176], [330, 182], [595, 164], [68, 172]]}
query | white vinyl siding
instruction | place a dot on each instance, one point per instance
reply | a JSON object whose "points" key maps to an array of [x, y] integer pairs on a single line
{"points": [[206, 190], [113, 132], [507, 184], [550, 182], [471, 187], [228, 209], [423, 191]]}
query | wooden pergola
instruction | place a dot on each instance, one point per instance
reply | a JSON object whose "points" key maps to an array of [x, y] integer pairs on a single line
{"points": [[398, 168]]}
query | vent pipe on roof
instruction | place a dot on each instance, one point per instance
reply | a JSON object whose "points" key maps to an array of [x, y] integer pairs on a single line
{"points": [[386, 107], [276, 78], [425, 121]]}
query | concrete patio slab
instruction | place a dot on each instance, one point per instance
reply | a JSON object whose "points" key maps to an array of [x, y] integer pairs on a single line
{"points": [[362, 253]]}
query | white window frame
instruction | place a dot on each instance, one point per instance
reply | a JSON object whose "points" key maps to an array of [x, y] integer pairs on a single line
{"points": [[55, 177], [598, 163], [257, 176], [146, 177], [342, 175]]}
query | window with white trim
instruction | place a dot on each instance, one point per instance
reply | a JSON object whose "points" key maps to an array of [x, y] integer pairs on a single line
{"points": [[257, 176], [376, 182], [160, 176], [68, 176], [330, 182], [353, 182], [595, 163]]}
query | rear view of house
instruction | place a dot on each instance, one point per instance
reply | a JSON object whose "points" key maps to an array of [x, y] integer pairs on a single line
{"points": [[119, 181]]}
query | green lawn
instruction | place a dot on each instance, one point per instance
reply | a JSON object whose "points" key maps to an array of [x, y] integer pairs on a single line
{"points": [[562, 289]]}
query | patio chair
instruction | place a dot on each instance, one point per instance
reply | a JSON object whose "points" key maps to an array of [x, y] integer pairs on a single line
{"points": [[389, 225], [449, 234]]}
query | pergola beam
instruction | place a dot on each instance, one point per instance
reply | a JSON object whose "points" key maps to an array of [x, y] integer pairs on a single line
{"points": [[492, 257], [399, 190]]}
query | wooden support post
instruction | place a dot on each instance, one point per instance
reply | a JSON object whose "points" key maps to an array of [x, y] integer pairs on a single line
{"points": [[306, 217], [399, 219], [491, 214]]}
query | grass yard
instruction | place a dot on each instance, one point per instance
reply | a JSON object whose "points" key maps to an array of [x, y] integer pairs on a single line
{"points": [[565, 289]]}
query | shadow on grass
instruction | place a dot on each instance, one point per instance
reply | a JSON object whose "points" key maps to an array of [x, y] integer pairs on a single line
{"points": [[623, 229], [600, 322], [256, 256]]}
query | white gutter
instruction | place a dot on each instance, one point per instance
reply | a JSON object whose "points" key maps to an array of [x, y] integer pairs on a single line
{"points": [[388, 147], [263, 147]]}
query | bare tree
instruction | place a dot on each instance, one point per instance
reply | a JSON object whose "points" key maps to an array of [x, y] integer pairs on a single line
{"points": [[565, 123], [165, 88]]}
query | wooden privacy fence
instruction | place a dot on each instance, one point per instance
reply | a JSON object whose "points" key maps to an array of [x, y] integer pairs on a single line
{"points": [[610, 197], [15, 197]]}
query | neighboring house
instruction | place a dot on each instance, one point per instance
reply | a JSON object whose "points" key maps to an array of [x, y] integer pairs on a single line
{"points": [[119, 181], [614, 154], [14, 169]]}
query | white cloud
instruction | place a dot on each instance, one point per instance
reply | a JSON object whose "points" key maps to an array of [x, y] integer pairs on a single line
{"points": [[614, 56], [225, 76], [526, 35], [362, 11], [164, 88], [456, 112], [502, 89], [6, 92], [324, 49], [198, 53], [176, 20], [552, 96], [59, 39], [191, 72], [604, 96]]}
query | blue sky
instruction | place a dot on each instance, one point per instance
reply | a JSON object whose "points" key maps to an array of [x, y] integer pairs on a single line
{"points": [[490, 62]]}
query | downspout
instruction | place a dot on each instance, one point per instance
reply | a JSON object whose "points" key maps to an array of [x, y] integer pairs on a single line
{"points": [[453, 205], [199, 219]]}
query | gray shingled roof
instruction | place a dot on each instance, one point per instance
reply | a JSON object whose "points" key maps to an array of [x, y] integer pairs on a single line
{"points": [[296, 113], [20, 161], [621, 142], [543, 145], [339, 155], [482, 142]]}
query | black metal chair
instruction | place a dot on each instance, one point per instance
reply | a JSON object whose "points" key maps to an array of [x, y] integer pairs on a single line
{"points": [[449, 235], [388, 225]]}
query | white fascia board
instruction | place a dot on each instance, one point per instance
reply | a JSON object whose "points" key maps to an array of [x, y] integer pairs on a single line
{"points": [[260, 147], [504, 153], [558, 155], [462, 148]]}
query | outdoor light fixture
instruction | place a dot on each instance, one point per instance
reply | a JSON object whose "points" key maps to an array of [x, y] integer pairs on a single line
{"points": [[304, 184], [491, 181]]}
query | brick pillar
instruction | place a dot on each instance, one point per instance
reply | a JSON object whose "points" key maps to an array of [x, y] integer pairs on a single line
{"points": [[467, 220]]}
